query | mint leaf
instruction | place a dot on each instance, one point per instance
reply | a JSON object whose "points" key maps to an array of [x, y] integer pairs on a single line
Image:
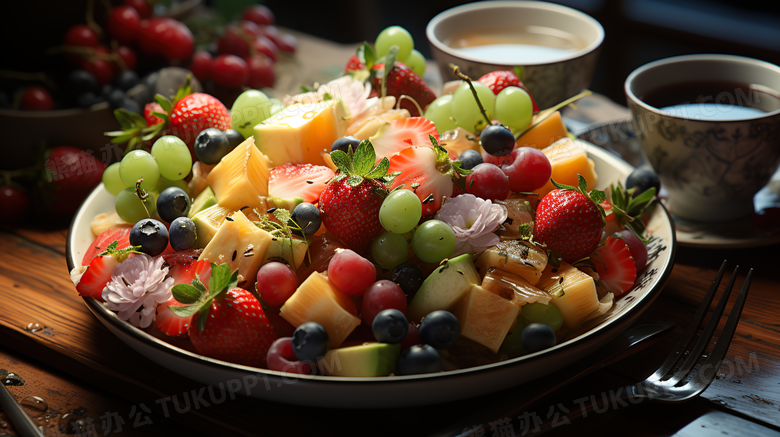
{"points": [[583, 184], [220, 275], [203, 315], [186, 294], [366, 55], [380, 169], [364, 158], [342, 161]]}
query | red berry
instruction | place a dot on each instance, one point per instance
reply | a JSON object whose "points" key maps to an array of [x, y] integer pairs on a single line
{"points": [[488, 182], [282, 358], [527, 168], [36, 98], [615, 265], [128, 57], [201, 65], [259, 14], [382, 295], [124, 23], [100, 68], [637, 248], [351, 273], [81, 35], [143, 7], [14, 204], [261, 71], [276, 282], [229, 71], [412, 337], [166, 37]]}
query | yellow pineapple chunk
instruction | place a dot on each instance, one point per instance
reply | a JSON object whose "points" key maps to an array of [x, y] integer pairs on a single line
{"points": [[241, 178], [318, 300], [486, 317], [572, 291], [568, 159], [239, 244], [515, 256], [207, 223]]}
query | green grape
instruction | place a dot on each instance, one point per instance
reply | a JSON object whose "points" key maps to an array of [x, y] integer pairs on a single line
{"points": [[249, 109], [164, 184], [394, 36], [514, 108], [276, 106], [111, 179], [466, 110], [416, 61], [131, 209], [173, 157], [548, 315], [400, 212], [390, 250], [433, 241], [139, 164], [440, 113], [512, 346]]}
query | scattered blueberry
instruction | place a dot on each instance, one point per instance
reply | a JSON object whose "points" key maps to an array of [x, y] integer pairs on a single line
{"points": [[390, 326], [234, 138], [173, 203], [419, 359], [469, 159], [126, 80], [307, 216], [497, 140], [106, 91], [211, 145], [310, 341], [183, 235], [537, 336], [409, 277], [440, 329], [80, 82], [151, 235], [643, 178], [343, 144]]}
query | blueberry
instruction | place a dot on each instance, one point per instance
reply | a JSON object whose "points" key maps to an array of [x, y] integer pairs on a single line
{"points": [[537, 336], [343, 144], [173, 203], [106, 91], [126, 80], [440, 329], [234, 138], [183, 235], [409, 276], [419, 359], [310, 341], [211, 145], [390, 326], [80, 82], [497, 140], [643, 178], [469, 159], [307, 216], [116, 97], [151, 235], [87, 99]]}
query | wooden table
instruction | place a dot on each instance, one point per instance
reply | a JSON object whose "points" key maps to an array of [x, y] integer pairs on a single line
{"points": [[72, 362]]}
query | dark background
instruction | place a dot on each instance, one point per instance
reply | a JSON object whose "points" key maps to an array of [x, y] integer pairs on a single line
{"points": [[637, 31]]}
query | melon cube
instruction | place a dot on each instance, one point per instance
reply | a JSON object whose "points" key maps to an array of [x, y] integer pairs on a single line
{"points": [[569, 159], [241, 178], [485, 317], [544, 134], [239, 244]]}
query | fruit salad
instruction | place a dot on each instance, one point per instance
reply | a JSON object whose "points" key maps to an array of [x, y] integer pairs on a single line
{"points": [[366, 227]]}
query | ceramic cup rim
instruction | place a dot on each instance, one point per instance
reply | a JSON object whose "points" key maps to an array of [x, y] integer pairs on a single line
{"points": [[550, 7], [681, 60]]}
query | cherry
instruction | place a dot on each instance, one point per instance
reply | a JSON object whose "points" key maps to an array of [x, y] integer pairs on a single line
{"points": [[36, 98], [201, 65], [14, 204], [261, 71], [259, 14], [287, 43], [265, 46], [100, 68], [488, 182], [143, 7], [527, 168], [238, 38], [229, 71], [128, 56], [282, 358], [381, 295], [82, 36], [124, 23], [166, 37]]}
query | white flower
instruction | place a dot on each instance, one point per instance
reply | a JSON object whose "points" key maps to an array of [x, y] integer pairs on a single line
{"points": [[139, 281], [473, 220], [353, 93]]}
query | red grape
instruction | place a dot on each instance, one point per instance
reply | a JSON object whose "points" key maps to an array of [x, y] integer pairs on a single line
{"points": [[282, 358], [285, 42], [124, 23], [166, 37], [488, 182], [201, 65], [351, 273], [143, 7], [382, 295], [36, 98], [276, 282], [636, 247], [258, 14], [265, 46], [82, 36], [229, 71], [14, 204], [128, 56], [100, 68], [527, 168], [261, 71]]}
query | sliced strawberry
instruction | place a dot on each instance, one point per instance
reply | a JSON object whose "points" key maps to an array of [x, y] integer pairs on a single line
{"points": [[402, 81], [426, 173], [152, 119], [185, 273], [98, 274], [615, 265], [169, 323], [354, 64], [182, 273], [399, 134], [498, 80], [299, 180], [120, 235]]}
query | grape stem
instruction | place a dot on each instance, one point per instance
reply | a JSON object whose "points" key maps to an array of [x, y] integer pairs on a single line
{"points": [[456, 70]]}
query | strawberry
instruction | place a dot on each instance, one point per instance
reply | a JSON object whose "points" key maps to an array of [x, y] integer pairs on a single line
{"points": [[230, 323], [196, 112], [428, 172], [400, 134], [569, 220], [120, 235], [354, 64], [402, 81], [168, 322], [498, 80], [70, 174], [149, 109], [615, 265], [349, 205], [98, 273], [305, 181]]}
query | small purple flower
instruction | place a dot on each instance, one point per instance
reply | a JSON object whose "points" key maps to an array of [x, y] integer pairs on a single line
{"points": [[473, 220]]}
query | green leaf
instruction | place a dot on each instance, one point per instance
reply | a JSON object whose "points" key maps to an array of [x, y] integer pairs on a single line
{"points": [[164, 102], [185, 311], [364, 158], [220, 276], [433, 140], [519, 72], [342, 161], [643, 198], [112, 246], [184, 91], [137, 119], [160, 114], [366, 55], [354, 180], [389, 178], [186, 294], [203, 315], [326, 97], [123, 118], [116, 133], [457, 165], [562, 186], [390, 58], [598, 196], [282, 215], [583, 184], [124, 138], [380, 169]]}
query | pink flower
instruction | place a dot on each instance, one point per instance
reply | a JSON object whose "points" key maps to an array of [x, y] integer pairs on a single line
{"points": [[473, 220], [139, 281]]}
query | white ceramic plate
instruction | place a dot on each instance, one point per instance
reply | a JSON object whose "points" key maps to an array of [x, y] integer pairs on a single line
{"points": [[396, 391]]}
